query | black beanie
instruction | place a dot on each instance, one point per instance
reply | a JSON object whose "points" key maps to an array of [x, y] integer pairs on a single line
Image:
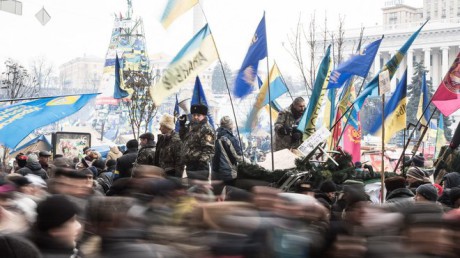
{"points": [[131, 144], [328, 187], [17, 247], [199, 109], [54, 211], [428, 191]]}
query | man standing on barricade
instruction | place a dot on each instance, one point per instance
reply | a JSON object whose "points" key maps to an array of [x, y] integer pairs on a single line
{"points": [[198, 143], [287, 135]]}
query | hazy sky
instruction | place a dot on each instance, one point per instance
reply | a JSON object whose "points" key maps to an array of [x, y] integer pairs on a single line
{"points": [[80, 27]]}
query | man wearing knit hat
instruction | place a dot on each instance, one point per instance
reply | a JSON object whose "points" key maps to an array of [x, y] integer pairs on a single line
{"points": [[426, 193], [227, 154], [198, 142], [169, 147], [56, 229], [415, 177]]}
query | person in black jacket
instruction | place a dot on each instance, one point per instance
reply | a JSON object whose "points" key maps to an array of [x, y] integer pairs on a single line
{"points": [[126, 162], [227, 153], [33, 167]]}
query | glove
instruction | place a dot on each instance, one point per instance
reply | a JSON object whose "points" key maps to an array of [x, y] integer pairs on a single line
{"points": [[367, 166], [285, 130], [296, 136], [182, 120]]}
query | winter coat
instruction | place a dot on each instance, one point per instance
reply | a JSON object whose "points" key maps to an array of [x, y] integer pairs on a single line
{"points": [[146, 155], [51, 247], [168, 154], [451, 179], [198, 145], [227, 155], [114, 153], [283, 140], [125, 164], [105, 179], [33, 167], [399, 199]]}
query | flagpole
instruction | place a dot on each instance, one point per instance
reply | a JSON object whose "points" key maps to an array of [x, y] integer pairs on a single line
{"points": [[270, 110], [417, 145], [225, 79], [382, 171], [282, 79], [406, 144]]}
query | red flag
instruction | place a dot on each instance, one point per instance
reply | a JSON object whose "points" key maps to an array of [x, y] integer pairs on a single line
{"points": [[337, 129], [352, 141], [447, 96]]}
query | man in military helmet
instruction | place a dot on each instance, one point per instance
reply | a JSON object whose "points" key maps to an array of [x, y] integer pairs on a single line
{"points": [[146, 154]]}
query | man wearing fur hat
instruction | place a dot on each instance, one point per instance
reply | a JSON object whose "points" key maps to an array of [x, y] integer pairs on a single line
{"points": [[228, 152], [287, 136], [169, 146], [198, 142]]}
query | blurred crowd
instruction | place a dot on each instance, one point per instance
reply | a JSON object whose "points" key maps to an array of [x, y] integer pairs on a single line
{"points": [[114, 207]]}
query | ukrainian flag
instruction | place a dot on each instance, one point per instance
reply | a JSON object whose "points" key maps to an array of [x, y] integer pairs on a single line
{"points": [[174, 9], [440, 137], [277, 88], [193, 58], [395, 112], [392, 66]]}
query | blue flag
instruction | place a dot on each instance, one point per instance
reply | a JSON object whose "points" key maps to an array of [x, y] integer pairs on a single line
{"points": [[257, 51], [118, 92], [199, 97], [177, 114], [392, 65], [358, 64], [19, 120]]}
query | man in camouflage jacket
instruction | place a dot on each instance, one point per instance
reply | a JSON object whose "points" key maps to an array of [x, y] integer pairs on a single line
{"points": [[146, 154], [198, 143], [169, 147], [287, 136]]}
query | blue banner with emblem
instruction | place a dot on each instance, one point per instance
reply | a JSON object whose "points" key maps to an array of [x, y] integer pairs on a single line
{"points": [[19, 120]]}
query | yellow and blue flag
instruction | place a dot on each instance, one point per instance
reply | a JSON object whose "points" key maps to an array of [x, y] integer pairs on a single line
{"points": [[307, 123], [440, 137], [257, 51], [277, 88], [174, 9], [358, 64], [199, 97], [423, 104], [118, 91], [392, 65], [19, 120], [194, 57], [395, 112]]}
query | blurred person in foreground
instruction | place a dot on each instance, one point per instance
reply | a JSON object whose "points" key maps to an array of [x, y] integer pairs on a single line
{"points": [[227, 153], [169, 148], [198, 143], [56, 229]]}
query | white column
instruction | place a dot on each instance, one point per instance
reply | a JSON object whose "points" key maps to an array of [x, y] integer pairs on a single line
{"points": [[410, 63], [445, 60], [435, 66], [427, 62], [396, 75], [377, 63]]}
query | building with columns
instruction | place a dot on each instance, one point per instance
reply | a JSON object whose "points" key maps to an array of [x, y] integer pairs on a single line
{"points": [[436, 46]]}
